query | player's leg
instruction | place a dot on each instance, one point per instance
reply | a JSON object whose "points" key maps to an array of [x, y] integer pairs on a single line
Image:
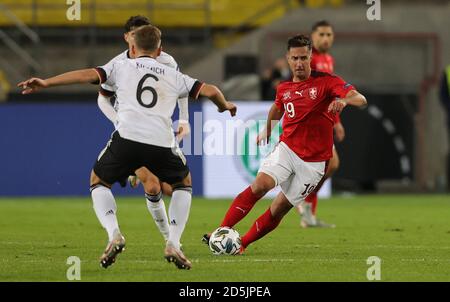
{"points": [[166, 188], [179, 209], [268, 221], [274, 170], [105, 208], [114, 163], [134, 182], [308, 208], [104, 205], [155, 203], [170, 166], [245, 201]]}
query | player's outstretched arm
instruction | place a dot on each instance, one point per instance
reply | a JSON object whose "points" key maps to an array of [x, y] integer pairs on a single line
{"points": [[73, 77], [353, 98], [273, 118], [216, 96]]}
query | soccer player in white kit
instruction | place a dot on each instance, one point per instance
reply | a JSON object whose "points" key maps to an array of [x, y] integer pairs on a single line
{"points": [[154, 189], [147, 92]]}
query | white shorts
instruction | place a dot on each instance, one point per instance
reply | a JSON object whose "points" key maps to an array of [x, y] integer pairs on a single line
{"points": [[296, 177]]}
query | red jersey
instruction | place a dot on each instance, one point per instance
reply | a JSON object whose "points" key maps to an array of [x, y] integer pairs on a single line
{"points": [[307, 124], [323, 62]]}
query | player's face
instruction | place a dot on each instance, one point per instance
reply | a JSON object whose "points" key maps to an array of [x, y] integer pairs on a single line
{"points": [[299, 59], [323, 38], [130, 33], [129, 38]]}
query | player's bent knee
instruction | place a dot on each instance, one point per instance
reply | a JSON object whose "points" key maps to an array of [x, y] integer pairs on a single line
{"points": [[152, 187], [279, 212], [154, 197], [262, 185], [187, 181], [96, 186], [95, 181], [280, 206], [259, 189], [181, 187]]}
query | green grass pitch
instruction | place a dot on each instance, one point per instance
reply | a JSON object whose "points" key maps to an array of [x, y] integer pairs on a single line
{"points": [[409, 233]]}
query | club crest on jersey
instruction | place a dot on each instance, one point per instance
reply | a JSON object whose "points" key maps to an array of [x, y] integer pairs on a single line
{"points": [[313, 93], [286, 95]]}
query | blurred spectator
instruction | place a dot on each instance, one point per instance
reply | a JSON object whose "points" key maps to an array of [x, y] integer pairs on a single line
{"points": [[445, 99], [4, 87], [271, 77]]}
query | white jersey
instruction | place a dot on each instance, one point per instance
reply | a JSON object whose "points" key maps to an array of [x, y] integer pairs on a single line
{"points": [[146, 93], [163, 58]]}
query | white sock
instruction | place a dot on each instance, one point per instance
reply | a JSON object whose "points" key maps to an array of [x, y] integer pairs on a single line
{"points": [[180, 205], [105, 208], [307, 214], [157, 209], [300, 207]]}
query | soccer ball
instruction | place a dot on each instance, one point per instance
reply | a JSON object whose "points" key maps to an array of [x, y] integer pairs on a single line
{"points": [[225, 241]]}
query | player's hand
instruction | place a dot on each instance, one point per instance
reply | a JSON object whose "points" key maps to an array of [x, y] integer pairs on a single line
{"points": [[339, 132], [32, 85], [229, 107], [336, 106], [183, 129], [262, 138]]}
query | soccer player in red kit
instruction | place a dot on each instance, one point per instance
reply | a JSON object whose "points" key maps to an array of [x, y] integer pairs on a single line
{"points": [[322, 39], [298, 162]]}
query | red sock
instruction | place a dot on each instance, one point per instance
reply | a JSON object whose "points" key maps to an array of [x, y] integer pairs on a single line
{"points": [[240, 207], [312, 199], [263, 225]]}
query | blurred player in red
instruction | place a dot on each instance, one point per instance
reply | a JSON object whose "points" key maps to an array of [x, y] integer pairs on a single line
{"points": [[322, 39], [308, 104]]}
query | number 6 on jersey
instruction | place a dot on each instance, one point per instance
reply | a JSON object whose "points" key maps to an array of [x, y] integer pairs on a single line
{"points": [[140, 91]]}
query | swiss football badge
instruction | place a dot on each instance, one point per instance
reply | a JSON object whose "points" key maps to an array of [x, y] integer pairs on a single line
{"points": [[286, 95], [313, 93]]}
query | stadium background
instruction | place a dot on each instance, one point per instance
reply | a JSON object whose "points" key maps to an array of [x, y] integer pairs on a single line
{"points": [[399, 144], [397, 62]]}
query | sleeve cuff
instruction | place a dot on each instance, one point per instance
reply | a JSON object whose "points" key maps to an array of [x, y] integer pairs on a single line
{"points": [[106, 93], [195, 90], [101, 76]]}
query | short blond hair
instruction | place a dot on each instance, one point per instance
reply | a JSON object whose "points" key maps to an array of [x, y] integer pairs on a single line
{"points": [[147, 38]]}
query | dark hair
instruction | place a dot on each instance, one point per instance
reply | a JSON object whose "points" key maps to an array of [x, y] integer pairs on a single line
{"points": [[299, 41], [320, 24], [135, 22], [147, 37]]}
